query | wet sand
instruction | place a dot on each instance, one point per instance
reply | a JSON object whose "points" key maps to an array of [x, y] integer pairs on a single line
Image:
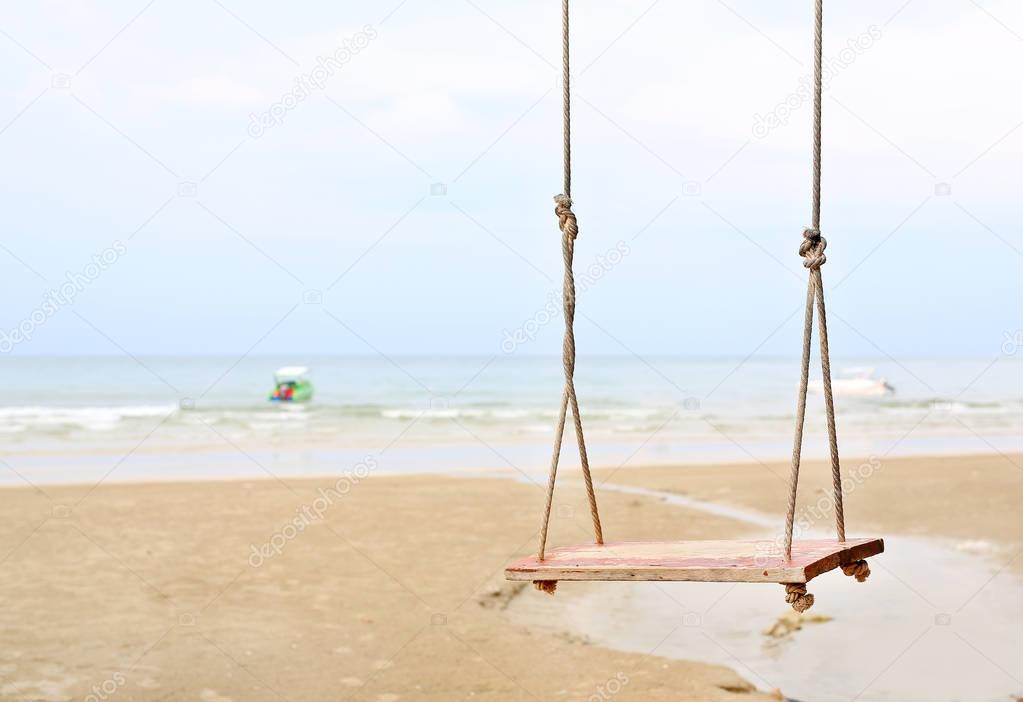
{"points": [[937, 620], [388, 588]]}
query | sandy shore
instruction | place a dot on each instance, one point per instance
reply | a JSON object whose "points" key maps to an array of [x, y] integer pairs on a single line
{"points": [[390, 591], [965, 497]]}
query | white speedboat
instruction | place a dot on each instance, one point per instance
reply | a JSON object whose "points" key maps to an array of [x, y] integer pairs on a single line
{"points": [[855, 382]]}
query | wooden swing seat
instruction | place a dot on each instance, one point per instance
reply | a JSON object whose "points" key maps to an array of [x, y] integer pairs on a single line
{"points": [[703, 561]]}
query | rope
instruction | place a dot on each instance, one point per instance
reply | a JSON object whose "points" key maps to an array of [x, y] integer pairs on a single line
{"points": [[812, 250], [857, 569], [569, 231], [548, 586], [797, 596], [566, 101]]}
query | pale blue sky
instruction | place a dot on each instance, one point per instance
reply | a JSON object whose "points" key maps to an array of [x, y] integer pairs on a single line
{"points": [[107, 108]]}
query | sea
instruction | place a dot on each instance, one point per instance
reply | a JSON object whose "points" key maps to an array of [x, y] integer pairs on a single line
{"points": [[65, 419]]}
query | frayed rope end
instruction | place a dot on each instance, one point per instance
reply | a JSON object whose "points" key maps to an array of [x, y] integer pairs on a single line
{"points": [[548, 586]]}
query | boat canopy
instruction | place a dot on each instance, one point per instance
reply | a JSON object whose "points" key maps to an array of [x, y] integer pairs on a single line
{"points": [[290, 374]]}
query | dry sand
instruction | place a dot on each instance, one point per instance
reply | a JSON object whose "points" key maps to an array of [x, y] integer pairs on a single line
{"points": [[153, 592]]}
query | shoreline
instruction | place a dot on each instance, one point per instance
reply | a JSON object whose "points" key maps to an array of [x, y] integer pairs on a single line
{"points": [[217, 462]]}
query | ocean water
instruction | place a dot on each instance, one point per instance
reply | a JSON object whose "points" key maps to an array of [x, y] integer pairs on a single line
{"points": [[486, 412]]}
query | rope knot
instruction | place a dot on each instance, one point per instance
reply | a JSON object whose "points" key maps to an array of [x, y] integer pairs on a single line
{"points": [[566, 218], [797, 596], [812, 249], [548, 586], [857, 569]]}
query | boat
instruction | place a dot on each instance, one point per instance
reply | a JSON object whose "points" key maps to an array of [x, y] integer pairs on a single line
{"points": [[856, 382], [291, 384]]}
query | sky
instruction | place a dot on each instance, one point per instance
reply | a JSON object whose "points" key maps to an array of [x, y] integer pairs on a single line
{"points": [[164, 191]]}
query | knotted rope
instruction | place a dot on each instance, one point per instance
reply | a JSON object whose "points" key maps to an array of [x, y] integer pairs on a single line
{"points": [[857, 569], [797, 596], [812, 251], [569, 231], [548, 586]]}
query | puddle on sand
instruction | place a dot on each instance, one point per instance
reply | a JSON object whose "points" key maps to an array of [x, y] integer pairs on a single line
{"points": [[936, 622]]}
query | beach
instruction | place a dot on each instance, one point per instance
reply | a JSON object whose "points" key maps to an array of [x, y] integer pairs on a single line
{"points": [[303, 325], [390, 588]]}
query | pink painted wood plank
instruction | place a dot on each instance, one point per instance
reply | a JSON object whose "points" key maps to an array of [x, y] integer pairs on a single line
{"points": [[713, 561]]}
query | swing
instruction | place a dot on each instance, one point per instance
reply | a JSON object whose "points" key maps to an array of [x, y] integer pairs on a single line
{"points": [[794, 564]]}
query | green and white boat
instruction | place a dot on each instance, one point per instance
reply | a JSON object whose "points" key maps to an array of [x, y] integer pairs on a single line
{"points": [[291, 384]]}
